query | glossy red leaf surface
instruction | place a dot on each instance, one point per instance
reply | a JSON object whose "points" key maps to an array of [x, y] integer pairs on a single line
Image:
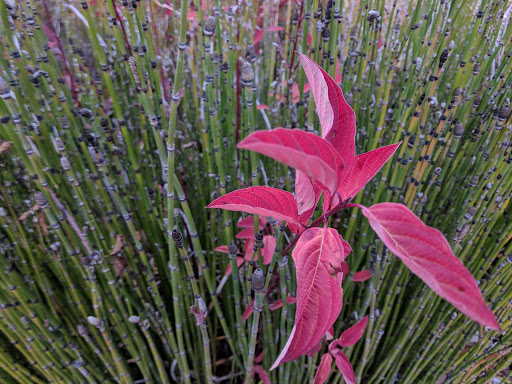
{"points": [[364, 169], [426, 252], [345, 367], [361, 276], [301, 150], [318, 291], [340, 129], [323, 369], [265, 201]]}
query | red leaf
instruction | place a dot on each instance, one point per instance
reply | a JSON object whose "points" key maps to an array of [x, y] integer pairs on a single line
{"points": [[301, 150], [353, 334], [307, 195], [267, 251], [248, 222], [345, 367], [248, 311], [265, 378], [222, 248], [340, 128], [262, 106], [364, 169], [426, 252], [265, 201], [258, 36], [329, 335], [279, 303], [313, 351], [323, 369], [361, 276], [318, 292], [246, 233], [239, 262]]}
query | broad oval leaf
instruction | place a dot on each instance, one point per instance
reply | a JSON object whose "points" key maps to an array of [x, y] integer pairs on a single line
{"points": [[364, 169], [265, 201], [340, 129], [301, 150], [323, 369], [318, 291], [345, 367], [426, 252]]}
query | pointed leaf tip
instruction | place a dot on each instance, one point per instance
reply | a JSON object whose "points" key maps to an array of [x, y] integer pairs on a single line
{"points": [[426, 252]]}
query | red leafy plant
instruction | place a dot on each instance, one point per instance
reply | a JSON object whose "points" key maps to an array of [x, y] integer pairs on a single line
{"points": [[329, 165]]}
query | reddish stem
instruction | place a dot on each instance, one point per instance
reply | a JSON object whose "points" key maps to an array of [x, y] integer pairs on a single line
{"points": [[317, 223], [118, 18], [59, 44]]}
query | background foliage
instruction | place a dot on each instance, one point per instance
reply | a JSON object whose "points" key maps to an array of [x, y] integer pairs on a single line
{"points": [[94, 288]]}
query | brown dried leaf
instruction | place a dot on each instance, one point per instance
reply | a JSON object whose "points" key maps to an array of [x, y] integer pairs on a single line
{"points": [[119, 245], [5, 146], [120, 263], [25, 215], [41, 219]]}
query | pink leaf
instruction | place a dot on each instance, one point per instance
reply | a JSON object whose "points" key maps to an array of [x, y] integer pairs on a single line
{"points": [[318, 292], [279, 303], [265, 201], [267, 251], [248, 311], [275, 28], [301, 150], [262, 106], [340, 129], [426, 252], [265, 378], [361, 276], [364, 169], [307, 195], [329, 335], [248, 222], [246, 233], [239, 262], [313, 351], [258, 36], [345, 367], [323, 369], [222, 248], [353, 334]]}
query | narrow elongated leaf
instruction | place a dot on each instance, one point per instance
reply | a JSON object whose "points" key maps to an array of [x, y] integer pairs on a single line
{"points": [[265, 378], [304, 192], [361, 276], [265, 201], [307, 195], [364, 169], [340, 129], [345, 367], [426, 252], [318, 291], [323, 369], [301, 150], [353, 334]]}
